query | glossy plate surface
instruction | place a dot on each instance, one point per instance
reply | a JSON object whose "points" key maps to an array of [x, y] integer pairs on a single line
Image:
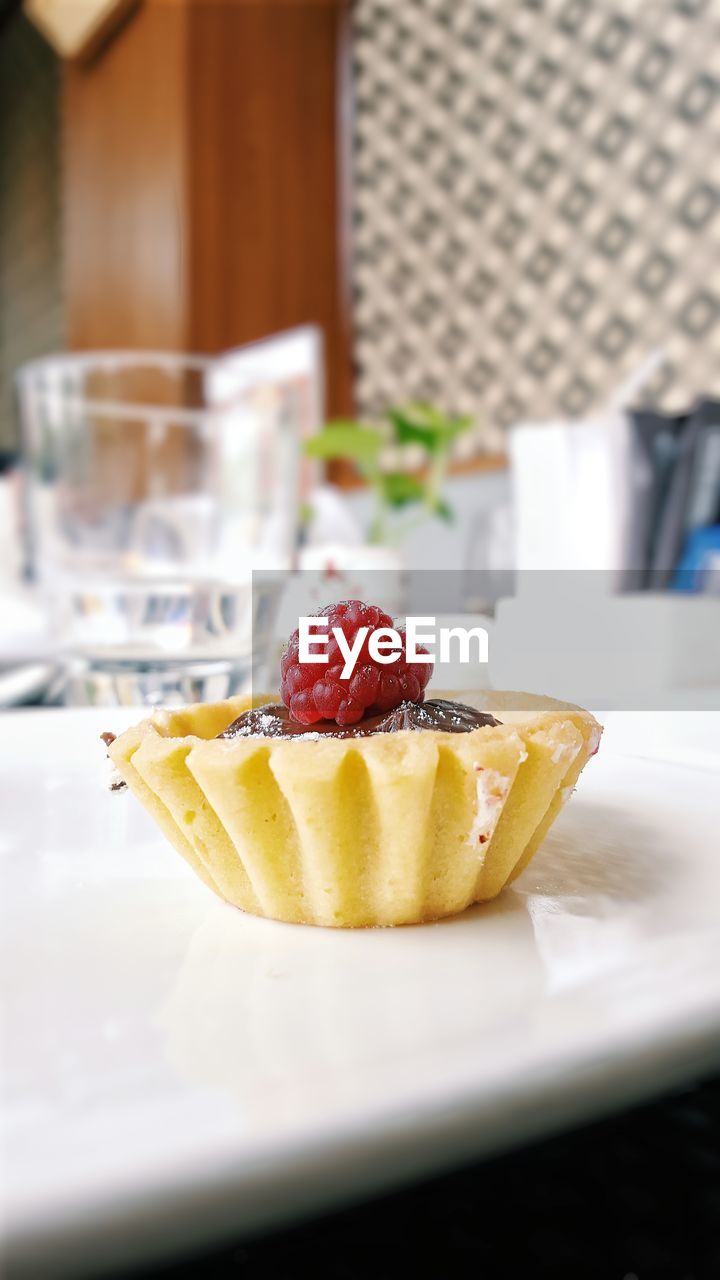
{"points": [[174, 1070]]}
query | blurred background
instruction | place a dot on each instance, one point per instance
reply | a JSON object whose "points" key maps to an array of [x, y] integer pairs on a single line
{"points": [[491, 234]]}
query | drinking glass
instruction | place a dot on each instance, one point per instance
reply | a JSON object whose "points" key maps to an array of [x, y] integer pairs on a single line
{"points": [[155, 486]]}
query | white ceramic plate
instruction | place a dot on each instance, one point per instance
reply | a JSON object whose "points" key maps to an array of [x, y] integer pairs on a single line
{"points": [[174, 1070]]}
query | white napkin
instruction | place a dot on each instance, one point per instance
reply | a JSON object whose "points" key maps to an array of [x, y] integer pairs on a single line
{"points": [[572, 487]]}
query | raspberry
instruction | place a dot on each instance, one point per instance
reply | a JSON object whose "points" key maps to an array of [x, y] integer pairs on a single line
{"points": [[315, 692]]}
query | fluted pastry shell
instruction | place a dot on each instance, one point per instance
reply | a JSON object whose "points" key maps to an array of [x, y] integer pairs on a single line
{"points": [[394, 828]]}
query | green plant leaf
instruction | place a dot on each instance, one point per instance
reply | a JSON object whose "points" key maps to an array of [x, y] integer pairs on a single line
{"points": [[349, 440], [400, 489], [425, 425], [438, 417], [444, 511], [408, 432]]}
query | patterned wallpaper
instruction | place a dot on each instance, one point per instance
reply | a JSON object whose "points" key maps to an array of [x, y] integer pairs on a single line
{"points": [[536, 203]]}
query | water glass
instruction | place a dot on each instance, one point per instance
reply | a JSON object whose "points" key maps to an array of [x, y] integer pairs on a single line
{"points": [[155, 485]]}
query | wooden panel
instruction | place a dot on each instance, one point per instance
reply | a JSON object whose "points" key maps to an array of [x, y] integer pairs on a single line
{"points": [[482, 463], [125, 186], [203, 180], [74, 29], [266, 243]]}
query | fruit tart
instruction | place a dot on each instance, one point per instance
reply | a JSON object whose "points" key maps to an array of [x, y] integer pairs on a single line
{"points": [[357, 801]]}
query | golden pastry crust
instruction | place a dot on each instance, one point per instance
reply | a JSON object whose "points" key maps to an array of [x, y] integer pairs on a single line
{"points": [[345, 832]]}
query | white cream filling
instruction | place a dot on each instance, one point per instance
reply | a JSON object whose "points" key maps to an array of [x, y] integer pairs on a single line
{"points": [[492, 789]]}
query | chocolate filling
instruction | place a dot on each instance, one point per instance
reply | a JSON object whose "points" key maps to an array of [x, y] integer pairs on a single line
{"points": [[273, 721]]}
